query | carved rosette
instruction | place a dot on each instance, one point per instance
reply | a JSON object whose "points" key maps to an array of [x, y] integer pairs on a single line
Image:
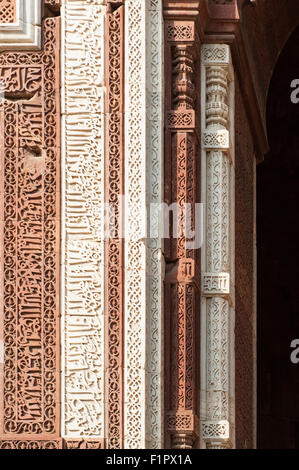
{"points": [[217, 428], [182, 264], [30, 159]]}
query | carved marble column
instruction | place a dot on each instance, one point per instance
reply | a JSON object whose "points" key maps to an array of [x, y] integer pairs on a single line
{"points": [[182, 169], [217, 375]]}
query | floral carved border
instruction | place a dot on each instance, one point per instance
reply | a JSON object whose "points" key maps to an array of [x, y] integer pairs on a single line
{"points": [[114, 246]]}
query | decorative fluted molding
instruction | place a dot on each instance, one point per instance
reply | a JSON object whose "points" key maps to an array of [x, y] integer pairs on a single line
{"points": [[83, 272], [217, 390]]}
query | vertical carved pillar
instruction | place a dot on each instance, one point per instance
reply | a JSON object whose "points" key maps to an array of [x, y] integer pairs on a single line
{"points": [[217, 257], [182, 264], [114, 246], [30, 162]]}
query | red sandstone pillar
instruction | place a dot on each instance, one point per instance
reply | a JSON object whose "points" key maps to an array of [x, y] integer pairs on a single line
{"points": [[182, 170]]}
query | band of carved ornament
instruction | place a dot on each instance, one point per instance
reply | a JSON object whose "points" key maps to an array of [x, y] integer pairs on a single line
{"points": [[30, 159], [115, 246], [155, 262], [83, 274], [143, 266], [218, 139]]}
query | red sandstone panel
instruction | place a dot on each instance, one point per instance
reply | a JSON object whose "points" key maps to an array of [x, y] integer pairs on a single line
{"points": [[30, 158]]}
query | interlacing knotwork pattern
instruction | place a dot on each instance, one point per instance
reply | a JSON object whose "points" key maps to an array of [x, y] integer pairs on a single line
{"points": [[135, 252], [7, 11], [143, 264], [83, 229], [154, 260], [30, 244]]}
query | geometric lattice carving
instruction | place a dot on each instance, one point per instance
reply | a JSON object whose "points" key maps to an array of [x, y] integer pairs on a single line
{"points": [[213, 54], [30, 242], [215, 139], [214, 430], [179, 31], [8, 11], [181, 119]]}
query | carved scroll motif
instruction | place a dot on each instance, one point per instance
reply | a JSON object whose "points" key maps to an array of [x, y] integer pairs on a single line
{"points": [[114, 246]]}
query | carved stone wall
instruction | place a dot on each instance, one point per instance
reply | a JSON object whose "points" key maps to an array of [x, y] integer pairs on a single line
{"points": [[245, 334], [30, 158], [83, 260]]}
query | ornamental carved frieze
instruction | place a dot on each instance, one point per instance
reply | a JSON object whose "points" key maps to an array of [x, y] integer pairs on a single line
{"points": [[114, 245], [182, 174], [30, 162]]}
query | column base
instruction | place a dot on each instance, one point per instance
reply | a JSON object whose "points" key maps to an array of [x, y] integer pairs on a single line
{"points": [[182, 441]]}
